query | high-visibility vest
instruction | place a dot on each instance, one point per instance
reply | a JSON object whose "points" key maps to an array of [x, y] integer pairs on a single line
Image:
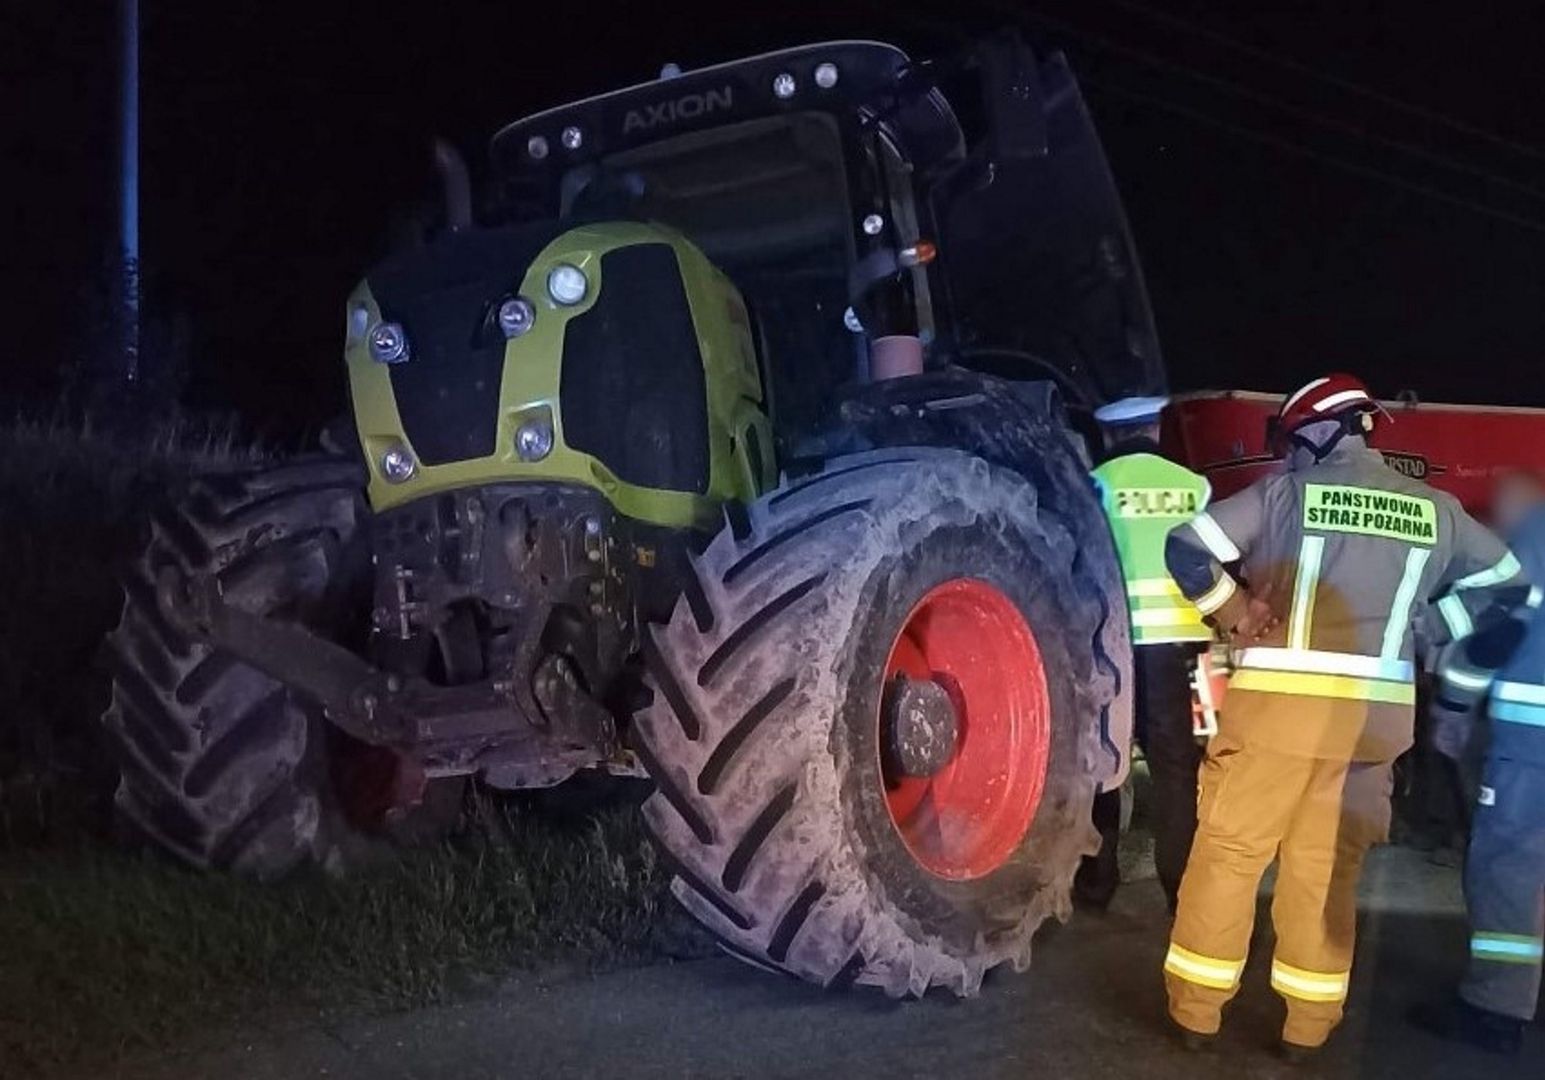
{"points": [[1145, 496]]}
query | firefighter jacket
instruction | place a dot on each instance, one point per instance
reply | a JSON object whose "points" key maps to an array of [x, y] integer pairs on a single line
{"points": [[1145, 496], [1347, 553], [1504, 662]]}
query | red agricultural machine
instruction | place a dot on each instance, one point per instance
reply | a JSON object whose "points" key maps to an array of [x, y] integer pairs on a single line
{"points": [[1461, 449]]}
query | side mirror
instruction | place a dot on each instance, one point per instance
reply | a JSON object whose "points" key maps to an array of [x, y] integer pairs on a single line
{"points": [[1011, 94]]}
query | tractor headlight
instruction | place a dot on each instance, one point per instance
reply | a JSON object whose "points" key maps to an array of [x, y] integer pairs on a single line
{"points": [[397, 464], [534, 438], [826, 75], [567, 284], [516, 316], [388, 343]]}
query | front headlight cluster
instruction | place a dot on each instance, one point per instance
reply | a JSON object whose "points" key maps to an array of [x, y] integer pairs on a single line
{"points": [[534, 436], [387, 342]]}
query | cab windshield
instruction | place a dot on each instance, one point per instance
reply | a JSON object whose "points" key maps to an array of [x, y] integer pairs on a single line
{"points": [[767, 201]]}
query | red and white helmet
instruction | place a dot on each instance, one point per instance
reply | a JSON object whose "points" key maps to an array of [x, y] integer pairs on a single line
{"points": [[1330, 397]]}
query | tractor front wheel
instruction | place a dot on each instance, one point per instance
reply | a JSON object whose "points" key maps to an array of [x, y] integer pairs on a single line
{"points": [[221, 765], [876, 719]]}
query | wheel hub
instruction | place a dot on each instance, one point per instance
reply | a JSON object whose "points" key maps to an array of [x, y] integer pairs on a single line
{"points": [[923, 726], [964, 729]]}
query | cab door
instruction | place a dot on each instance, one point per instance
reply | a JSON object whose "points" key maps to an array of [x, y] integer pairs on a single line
{"points": [[1036, 264]]}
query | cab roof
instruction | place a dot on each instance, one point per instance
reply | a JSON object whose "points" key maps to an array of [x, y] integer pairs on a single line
{"points": [[721, 94]]}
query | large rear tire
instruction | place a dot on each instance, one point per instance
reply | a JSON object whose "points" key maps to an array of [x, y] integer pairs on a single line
{"points": [[221, 765], [791, 834]]}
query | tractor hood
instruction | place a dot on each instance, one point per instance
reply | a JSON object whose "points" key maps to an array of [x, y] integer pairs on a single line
{"points": [[577, 355], [445, 295]]}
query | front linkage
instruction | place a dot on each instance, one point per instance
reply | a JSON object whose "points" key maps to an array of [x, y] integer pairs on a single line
{"points": [[501, 616]]}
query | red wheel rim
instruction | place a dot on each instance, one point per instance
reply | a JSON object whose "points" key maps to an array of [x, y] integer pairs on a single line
{"points": [[966, 819]]}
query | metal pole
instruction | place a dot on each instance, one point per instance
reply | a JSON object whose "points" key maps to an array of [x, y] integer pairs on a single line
{"points": [[128, 14]]}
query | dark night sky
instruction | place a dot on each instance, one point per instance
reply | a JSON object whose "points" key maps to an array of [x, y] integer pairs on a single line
{"points": [[280, 138]]}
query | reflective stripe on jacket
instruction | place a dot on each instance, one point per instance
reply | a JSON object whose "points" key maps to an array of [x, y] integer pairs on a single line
{"points": [[1348, 553], [1145, 496], [1505, 661]]}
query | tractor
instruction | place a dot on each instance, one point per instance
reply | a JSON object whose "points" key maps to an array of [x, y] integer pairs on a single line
{"points": [[737, 439]]}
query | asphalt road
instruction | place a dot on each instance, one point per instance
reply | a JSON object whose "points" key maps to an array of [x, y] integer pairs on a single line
{"points": [[1091, 1006]]}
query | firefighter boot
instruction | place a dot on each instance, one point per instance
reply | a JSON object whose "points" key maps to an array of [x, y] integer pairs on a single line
{"points": [[1192, 1041], [1456, 1020], [1294, 1054]]}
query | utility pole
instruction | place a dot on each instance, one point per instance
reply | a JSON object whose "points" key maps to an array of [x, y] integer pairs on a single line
{"points": [[128, 189]]}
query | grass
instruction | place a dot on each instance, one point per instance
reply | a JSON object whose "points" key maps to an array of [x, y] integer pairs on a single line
{"points": [[73, 495], [106, 952]]}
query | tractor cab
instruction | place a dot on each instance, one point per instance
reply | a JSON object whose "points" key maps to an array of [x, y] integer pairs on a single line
{"points": [[780, 170], [853, 195]]}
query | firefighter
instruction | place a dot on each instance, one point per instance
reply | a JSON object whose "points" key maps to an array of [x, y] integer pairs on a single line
{"points": [[1505, 870], [1317, 573], [1145, 496]]}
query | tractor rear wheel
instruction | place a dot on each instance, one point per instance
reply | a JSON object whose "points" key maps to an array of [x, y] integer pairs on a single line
{"points": [[220, 764], [875, 722]]}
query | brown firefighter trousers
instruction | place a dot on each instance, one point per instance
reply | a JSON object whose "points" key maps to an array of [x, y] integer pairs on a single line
{"points": [[1319, 816]]}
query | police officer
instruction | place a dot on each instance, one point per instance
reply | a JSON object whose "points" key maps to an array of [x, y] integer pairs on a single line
{"points": [[1327, 565], [1145, 496], [1505, 871]]}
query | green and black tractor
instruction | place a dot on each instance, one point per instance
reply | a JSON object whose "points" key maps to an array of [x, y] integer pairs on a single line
{"points": [[736, 441]]}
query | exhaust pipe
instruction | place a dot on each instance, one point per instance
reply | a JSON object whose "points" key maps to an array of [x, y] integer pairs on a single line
{"points": [[452, 168]]}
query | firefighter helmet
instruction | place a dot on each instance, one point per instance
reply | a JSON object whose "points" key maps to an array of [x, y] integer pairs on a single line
{"points": [[1330, 397]]}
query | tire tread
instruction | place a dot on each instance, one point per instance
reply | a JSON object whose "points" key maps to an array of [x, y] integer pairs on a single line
{"points": [[213, 755]]}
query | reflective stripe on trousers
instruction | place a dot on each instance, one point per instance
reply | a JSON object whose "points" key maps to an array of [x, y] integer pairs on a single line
{"points": [[1208, 971], [1309, 985], [1507, 948]]}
